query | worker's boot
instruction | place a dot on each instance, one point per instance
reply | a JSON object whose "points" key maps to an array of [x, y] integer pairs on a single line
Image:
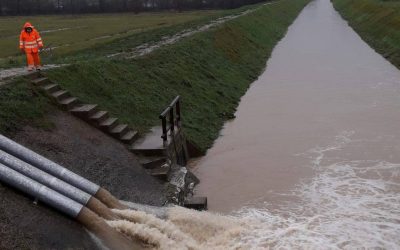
{"points": [[38, 67], [31, 67]]}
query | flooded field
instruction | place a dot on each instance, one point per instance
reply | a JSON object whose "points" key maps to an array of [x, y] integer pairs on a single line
{"points": [[314, 151]]}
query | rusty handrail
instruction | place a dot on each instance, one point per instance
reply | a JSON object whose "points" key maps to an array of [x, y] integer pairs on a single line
{"points": [[171, 115]]}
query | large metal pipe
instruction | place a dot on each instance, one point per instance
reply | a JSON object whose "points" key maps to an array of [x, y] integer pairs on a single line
{"points": [[58, 171], [46, 165], [111, 238], [57, 185], [44, 178], [39, 191]]}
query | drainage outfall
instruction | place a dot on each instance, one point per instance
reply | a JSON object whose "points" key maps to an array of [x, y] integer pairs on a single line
{"points": [[39, 191], [109, 236], [44, 178], [58, 171], [57, 185]]}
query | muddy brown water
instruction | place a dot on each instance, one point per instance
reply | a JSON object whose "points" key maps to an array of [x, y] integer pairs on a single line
{"points": [[326, 101], [109, 236]]}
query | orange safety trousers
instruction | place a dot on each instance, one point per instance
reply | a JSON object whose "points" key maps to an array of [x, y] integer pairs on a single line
{"points": [[33, 59]]}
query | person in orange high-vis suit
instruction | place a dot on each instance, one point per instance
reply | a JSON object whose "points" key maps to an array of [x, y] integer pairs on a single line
{"points": [[30, 42]]}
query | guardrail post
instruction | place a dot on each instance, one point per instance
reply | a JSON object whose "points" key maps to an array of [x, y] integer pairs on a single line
{"points": [[178, 113], [171, 120], [164, 129], [174, 119]]}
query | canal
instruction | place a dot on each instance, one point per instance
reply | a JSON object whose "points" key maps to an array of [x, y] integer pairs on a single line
{"points": [[315, 144]]}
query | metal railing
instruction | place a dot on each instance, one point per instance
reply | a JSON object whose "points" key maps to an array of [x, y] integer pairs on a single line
{"points": [[171, 119]]}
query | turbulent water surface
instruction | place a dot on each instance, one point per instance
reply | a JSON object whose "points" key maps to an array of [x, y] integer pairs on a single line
{"points": [[313, 157]]}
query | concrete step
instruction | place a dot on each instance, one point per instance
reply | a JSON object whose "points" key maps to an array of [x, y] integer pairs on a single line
{"points": [[152, 162], [69, 103], [160, 172], [99, 116], [51, 88], [198, 203], [148, 151], [84, 111], [109, 124], [129, 137], [41, 81], [151, 140], [33, 75], [119, 130], [61, 95]]}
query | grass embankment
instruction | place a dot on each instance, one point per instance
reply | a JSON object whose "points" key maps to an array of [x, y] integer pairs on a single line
{"points": [[377, 22], [19, 105], [126, 44], [68, 34], [210, 70]]}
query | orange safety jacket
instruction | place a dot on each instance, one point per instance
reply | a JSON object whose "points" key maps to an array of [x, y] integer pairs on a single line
{"points": [[30, 42]]}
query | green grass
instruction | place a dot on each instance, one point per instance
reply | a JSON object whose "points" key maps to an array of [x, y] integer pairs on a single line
{"points": [[377, 22], [127, 43], [20, 105], [210, 70], [86, 31]]}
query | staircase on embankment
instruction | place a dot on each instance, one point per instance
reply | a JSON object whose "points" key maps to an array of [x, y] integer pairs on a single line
{"points": [[159, 158], [90, 113]]}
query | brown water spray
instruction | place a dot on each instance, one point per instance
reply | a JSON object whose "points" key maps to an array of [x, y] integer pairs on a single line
{"points": [[164, 226], [100, 209], [109, 236], [108, 199], [183, 229]]}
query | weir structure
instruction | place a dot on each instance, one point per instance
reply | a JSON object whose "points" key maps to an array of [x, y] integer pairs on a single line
{"points": [[63, 190]]}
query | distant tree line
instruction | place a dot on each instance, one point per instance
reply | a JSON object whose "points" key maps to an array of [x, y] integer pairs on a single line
{"points": [[35, 7]]}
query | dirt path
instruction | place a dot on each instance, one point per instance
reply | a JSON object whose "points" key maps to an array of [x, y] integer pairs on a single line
{"points": [[7, 74], [141, 50], [147, 48]]}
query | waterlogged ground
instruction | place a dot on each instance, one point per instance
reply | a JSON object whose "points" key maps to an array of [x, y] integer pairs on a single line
{"points": [[313, 156]]}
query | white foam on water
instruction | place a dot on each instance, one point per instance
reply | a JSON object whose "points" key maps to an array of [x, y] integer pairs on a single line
{"points": [[349, 204]]}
